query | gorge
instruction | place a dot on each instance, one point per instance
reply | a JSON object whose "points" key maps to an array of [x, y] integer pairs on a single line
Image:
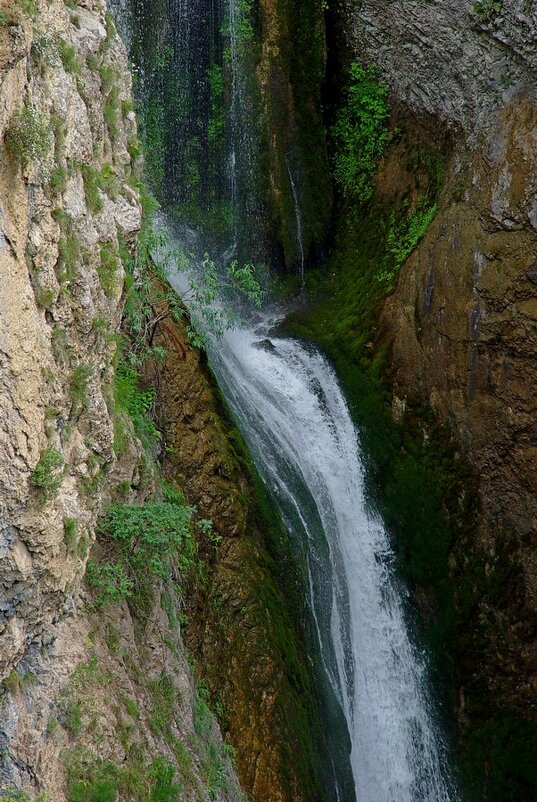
{"points": [[316, 518]]}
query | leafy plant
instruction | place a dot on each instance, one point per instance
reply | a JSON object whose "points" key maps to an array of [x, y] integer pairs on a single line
{"points": [[136, 403], [360, 133], [68, 57], [487, 9], [78, 388], [28, 137], [144, 538], [110, 582], [47, 475]]}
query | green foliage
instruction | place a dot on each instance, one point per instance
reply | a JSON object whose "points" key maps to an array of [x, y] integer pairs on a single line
{"points": [[360, 133], [58, 180], [70, 536], [46, 298], [110, 582], [487, 9], [78, 388], [136, 403], [68, 57], [47, 475], [28, 7], [111, 112], [162, 693], [402, 237], [144, 539], [108, 268], [28, 136], [110, 34], [402, 243], [91, 779], [93, 184], [108, 77]]}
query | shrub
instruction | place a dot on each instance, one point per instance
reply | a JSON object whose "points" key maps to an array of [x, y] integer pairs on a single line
{"points": [[78, 388], [28, 137], [68, 57], [108, 268], [360, 133], [47, 475], [144, 537]]}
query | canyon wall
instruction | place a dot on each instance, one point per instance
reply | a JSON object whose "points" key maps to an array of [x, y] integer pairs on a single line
{"points": [[461, 321], [93, 702]]}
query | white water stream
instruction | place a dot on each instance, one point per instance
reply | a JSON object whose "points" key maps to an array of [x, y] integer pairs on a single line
{"points": [[291, 410]]}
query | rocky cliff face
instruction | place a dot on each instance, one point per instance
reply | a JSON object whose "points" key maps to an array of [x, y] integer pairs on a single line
{"points": [[90, 704], [65, 202], [462, 319]]}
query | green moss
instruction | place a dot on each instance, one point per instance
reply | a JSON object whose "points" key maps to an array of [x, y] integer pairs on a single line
{"points": [[68, 57], [47, 476], [28, 136], [70, 535]]}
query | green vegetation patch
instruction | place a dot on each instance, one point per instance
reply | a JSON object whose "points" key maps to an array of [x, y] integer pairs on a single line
{"points": [[360, 133], [47, 476], [143, 538], [28, 136]]}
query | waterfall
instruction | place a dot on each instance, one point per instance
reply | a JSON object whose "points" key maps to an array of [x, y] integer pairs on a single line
{"points": [[292, 412], [293, 415]]}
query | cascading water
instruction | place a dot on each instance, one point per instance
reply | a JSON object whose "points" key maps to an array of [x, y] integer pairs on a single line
{"points": [[291, 410], [289, 406]]}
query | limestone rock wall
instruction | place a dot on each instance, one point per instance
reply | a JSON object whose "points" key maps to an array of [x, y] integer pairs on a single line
{"points": [[446, 60], [61, 71], [106, 699], [462, 320]]}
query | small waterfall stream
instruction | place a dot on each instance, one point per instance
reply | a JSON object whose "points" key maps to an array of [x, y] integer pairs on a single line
{"points": [[298, 216]]}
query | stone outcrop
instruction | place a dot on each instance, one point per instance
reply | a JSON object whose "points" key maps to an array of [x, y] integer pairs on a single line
{"points": [[462, 319], [105, 700]]}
